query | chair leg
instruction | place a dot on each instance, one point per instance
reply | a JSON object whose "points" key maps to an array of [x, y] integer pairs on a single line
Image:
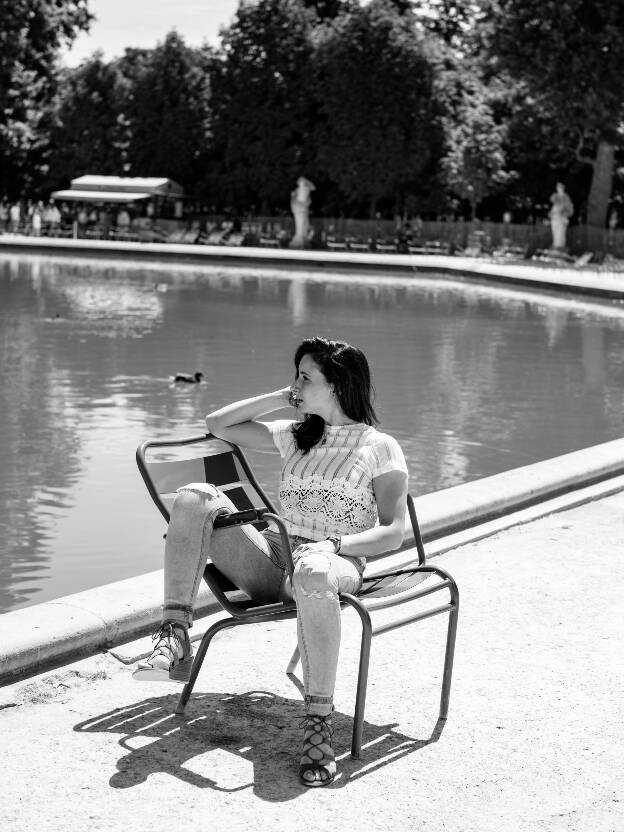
{"points": [[448, 660], [294, 661], [360, 696], [204, 644]]}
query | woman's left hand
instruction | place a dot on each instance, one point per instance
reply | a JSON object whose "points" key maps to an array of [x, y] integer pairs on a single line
{"points": [[325, 547]]}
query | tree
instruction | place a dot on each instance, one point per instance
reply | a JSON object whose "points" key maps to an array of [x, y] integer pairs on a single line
{"points": [[537, 150], [31, 34], [167, 109], [263, 106], [474, 163], [456, 22], [327, 9], [90, 133], [569, 54], [379, 121]]}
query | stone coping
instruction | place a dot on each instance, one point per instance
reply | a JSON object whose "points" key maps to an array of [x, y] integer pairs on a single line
{"points": [[582, 280], [51, 633], [448, 511]]}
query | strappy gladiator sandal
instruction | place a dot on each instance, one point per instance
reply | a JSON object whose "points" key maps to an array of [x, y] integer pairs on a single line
{"points": [[165, 663], [318, 764]]}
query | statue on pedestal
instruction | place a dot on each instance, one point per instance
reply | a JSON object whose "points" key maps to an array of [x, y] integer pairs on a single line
{"points": [[300, 207], [560, 213]]}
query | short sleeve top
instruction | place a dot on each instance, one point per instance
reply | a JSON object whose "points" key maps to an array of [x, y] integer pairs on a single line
{"points": [[329, 490]]}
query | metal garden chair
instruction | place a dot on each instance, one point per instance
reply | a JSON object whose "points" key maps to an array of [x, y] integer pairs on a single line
{"points": [[168, 464]]}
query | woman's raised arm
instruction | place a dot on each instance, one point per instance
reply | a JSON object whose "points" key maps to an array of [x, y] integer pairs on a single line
{"points": [[236, 422]]}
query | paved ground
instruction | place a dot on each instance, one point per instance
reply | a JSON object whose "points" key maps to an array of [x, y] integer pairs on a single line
{"points": [[534, 739]]}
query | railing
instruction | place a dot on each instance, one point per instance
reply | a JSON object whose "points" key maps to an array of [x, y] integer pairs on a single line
{"points": [[457, 235], [355, 234]]}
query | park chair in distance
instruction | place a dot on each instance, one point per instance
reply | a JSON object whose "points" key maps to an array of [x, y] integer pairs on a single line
{"points": [[215, 461]]}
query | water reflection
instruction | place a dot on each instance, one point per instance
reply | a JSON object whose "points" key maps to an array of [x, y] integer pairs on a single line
{"points": [[298, 302], [471, 379]]}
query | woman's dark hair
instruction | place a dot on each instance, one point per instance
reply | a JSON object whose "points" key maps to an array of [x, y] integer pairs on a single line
{"points": [[346, 369]]}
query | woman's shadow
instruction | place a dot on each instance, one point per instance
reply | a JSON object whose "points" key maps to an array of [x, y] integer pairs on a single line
{"points": [[231, 742]]}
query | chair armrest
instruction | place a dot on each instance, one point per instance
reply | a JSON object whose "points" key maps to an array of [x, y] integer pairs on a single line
{"points": [[238, 518], [285, 540]]}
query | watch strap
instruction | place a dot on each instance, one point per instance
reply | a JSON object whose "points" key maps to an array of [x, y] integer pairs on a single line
{"points": [[337, 541]]}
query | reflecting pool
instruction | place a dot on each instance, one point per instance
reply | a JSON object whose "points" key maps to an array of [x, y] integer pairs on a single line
{"points": [[471, 379]]}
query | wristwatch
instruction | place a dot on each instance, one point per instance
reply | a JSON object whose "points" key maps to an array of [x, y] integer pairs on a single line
{"points": [[337, 541]]}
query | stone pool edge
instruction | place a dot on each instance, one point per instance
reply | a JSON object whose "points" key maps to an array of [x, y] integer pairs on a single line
{"points": [[53, 633], [584, 281]]}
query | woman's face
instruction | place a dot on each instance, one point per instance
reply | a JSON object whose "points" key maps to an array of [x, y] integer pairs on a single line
{"points": [[312, 390]]}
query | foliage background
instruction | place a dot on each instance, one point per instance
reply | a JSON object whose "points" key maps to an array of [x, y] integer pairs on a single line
{"points": [[428, 107]]}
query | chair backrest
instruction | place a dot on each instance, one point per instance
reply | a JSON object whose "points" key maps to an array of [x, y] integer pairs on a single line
{"points": [[166, 465]]}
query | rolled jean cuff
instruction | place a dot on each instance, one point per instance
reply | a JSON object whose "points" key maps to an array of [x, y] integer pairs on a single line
{"points": [[321, 705], [178, 613]]}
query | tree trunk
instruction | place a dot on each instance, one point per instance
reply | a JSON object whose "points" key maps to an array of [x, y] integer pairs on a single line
{"points": [[601, 184]]}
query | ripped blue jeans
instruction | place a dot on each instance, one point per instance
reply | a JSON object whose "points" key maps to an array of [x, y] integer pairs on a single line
{"points": [[254, 562]]}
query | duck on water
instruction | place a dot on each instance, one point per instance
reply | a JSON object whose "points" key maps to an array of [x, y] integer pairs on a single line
{"points": [[189, 378]]}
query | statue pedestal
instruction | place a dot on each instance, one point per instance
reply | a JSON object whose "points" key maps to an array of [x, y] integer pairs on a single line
{"points": [[302, 227], [300, 207], [559, 227]]}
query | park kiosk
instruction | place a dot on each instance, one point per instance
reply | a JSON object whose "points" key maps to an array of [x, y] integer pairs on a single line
{"points": [[165, 195]]}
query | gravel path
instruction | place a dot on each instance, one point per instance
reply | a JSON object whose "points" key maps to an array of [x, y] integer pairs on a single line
{"points": [[534, 741]]}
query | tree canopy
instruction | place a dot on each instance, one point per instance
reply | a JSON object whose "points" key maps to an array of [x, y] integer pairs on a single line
{"points": [[167, 111], [89, 132], [569, 54], [389, 105], [31, 33], [380, 124], [475, 162], [263, 103]]}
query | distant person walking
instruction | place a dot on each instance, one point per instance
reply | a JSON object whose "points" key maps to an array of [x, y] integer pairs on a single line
{"points": [[83, 219], [37, 219], [123, 220], [52, 217]]}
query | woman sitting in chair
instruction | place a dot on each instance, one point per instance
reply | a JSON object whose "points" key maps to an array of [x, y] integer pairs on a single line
{"points": [[339, 477]]}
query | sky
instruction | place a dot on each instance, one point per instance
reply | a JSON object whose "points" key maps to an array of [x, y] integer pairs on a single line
{"points": [[143, 23]]}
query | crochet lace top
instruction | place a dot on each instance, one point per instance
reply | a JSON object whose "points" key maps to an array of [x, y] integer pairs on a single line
{"points": [[329, 490]]}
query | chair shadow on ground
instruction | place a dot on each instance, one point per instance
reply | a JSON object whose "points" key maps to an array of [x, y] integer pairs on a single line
{"points": [[231, 742]]}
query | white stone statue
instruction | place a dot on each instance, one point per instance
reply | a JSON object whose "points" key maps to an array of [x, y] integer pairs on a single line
{"points": [[560, 213], [300, 207]]}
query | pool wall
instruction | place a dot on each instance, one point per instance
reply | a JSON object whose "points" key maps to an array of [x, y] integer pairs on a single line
{"points": [[584, 280], [53, 633]]}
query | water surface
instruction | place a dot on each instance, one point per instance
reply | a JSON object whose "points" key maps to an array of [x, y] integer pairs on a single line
{"points": [[471, 379]]}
